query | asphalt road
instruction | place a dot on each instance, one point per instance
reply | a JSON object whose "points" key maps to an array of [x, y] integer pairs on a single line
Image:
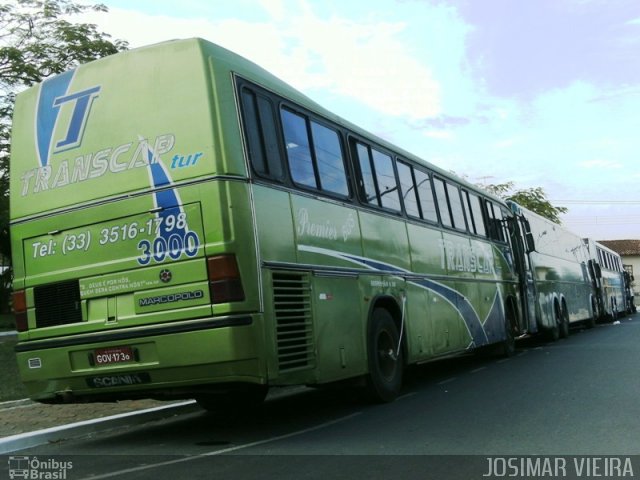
{"points": [[579, 396]]}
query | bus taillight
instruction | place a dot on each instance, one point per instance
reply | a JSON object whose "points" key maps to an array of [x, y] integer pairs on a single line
{"points": [[20, 310], [225, 284]]}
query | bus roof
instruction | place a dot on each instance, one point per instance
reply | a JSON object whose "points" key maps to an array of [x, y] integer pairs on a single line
{"points": [[93, 133]]}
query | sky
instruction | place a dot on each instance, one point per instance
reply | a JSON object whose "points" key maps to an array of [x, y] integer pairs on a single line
{"points": [[542, 93]]}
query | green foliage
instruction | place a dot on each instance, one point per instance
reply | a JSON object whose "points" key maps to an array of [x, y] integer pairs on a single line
{"points": [[38, 39], [533, 199]]}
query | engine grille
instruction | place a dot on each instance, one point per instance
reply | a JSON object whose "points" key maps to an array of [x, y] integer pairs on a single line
{"points": [[57, 304], [294, 329]]}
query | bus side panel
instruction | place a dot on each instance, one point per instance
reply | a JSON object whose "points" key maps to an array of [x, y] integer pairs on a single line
{"points": [[419, 323], [326, 233], [385, 241], [493, 273], [467, 330], [429, 325], [340, 331], [274, 225]]}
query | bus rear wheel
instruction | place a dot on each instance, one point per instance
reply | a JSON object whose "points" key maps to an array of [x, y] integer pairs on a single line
{"points": [[553, 334], [385, 358]]}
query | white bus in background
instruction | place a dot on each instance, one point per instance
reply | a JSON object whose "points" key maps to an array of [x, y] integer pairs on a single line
{"points": [[606, 266]]}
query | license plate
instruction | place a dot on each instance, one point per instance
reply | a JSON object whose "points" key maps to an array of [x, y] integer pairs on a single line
{"points": [[113, 355]]}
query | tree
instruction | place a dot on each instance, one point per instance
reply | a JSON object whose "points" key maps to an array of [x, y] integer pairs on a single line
{"points": [[534, 199], [38, 40]]}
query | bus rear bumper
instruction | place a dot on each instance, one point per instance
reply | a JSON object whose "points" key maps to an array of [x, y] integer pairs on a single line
{"points": [[172, 361]]}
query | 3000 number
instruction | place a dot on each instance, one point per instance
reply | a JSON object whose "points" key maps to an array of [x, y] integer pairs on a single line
{"points": [[172, 247]]}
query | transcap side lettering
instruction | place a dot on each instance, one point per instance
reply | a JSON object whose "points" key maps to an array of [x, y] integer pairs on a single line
{"points": [[95, 164], [463, 257]]}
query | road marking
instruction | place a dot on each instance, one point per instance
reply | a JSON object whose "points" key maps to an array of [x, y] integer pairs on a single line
{"points": [[407, 395], [224, 450], [448, 380], [476, 370]]}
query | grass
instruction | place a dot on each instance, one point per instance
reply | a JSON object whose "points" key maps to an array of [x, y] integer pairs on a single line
{"points": [[11, 387], [7, 322]]}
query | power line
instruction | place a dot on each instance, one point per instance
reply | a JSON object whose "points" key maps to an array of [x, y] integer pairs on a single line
{"points": [[596, 202], [600, 220]]}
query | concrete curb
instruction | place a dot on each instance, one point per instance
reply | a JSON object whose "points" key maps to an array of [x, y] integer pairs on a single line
{"points": [[40, 437]]}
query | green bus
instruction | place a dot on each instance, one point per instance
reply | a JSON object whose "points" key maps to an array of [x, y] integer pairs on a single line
{"points": [[186, 225], [557, 280]]}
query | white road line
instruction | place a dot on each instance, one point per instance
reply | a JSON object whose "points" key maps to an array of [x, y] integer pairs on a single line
{"points": [[476, 370], [407, 395], [220, 452], [448, 380]]}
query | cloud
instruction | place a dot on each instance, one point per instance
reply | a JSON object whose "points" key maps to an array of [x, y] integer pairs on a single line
{"points": [[506, 143], [364, 59], [598, 163], [443, 121], [440, 134]]}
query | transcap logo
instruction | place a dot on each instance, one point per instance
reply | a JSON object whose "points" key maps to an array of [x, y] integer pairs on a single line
{"points": [[81, 102], [55, 96]]}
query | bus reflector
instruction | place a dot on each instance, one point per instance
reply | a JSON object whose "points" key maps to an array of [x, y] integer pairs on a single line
{"points": [[20, 310], [225, 284]]}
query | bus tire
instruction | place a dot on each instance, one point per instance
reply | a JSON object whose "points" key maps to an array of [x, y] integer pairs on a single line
{"points": [[385, 359], [564, 322], [553, 334]]}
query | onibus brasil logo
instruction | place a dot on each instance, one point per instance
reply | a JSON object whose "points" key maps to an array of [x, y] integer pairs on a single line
{"points": [[38, 469]]}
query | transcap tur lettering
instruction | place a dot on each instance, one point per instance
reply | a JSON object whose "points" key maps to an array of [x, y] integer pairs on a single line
{"points": [[95, 164], [463, 257]]}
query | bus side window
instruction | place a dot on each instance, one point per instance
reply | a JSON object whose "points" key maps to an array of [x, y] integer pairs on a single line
{"points": [[260, 135], [457, 209], [443, 203], [328, 153], [296, 140], [378, 183], [494, 218], [425, 195], [504, 229], [367, 182], [386, 178], [408, 189], [475, 214]]}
